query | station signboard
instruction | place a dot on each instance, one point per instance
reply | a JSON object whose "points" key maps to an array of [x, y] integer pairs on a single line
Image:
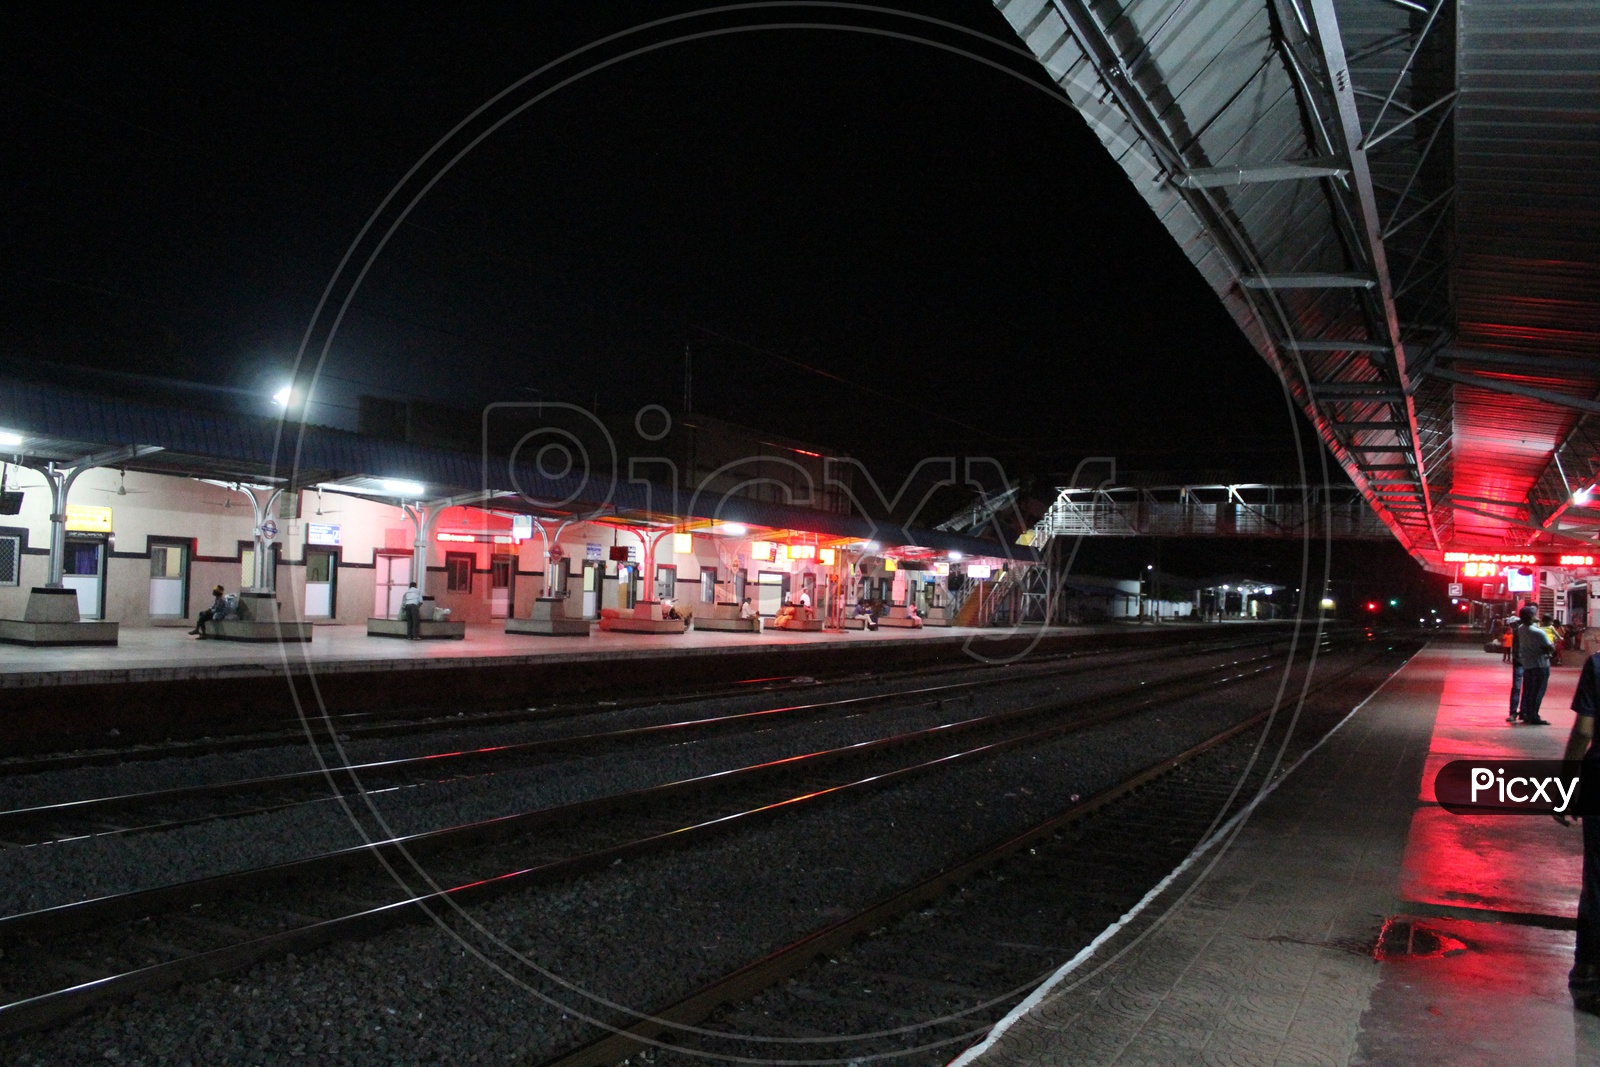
{"points": [[322, 533], [1493, 564], [457, 538], [88, 518], [1455, 589]]}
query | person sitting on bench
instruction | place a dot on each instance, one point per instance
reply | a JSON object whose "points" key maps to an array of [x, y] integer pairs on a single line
{"points": [[411, 610], [215, 613]]}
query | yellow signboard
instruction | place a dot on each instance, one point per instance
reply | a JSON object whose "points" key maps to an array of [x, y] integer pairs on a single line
{"points": [[87, 518]]}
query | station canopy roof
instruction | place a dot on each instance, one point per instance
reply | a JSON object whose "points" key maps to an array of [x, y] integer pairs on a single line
{"points": [[1398, 201], [67, 426]]}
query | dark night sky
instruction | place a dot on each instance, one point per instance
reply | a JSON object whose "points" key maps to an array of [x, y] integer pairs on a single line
{"points": [[949, 241]]}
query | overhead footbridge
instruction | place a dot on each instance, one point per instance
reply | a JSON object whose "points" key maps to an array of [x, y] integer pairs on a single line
{"points": [[1398, 202], [1248, 510]]}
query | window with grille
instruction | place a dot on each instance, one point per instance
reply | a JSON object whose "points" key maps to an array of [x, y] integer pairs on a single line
{"points": [[458, 571], [10, 560]]}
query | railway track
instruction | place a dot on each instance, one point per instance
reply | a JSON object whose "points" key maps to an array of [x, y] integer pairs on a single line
{"points": [[918, 975], [143, 811], [148, 940]]}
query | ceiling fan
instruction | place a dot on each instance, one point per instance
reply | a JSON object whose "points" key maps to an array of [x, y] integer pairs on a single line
{"points": [[122, 487]]}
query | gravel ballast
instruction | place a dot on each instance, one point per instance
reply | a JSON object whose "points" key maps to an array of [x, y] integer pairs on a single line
{"points": [[641, 933]]}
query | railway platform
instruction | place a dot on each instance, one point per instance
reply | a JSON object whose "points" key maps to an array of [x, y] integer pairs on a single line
{"points": [[1347, 919], [160, 684], [168, 654]]}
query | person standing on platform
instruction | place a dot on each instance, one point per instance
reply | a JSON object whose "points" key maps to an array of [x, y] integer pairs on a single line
{"points": [[1508, 640], [411, 611], [1531, 654], [1584, 978]]}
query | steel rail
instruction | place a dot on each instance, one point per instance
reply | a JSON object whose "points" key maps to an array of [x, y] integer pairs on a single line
{"points": [[756, 976], [70, 809], [47, 1008], [87, 914]]}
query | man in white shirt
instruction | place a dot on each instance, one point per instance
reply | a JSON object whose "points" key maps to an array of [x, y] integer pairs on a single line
{"points": [[411, 610]]}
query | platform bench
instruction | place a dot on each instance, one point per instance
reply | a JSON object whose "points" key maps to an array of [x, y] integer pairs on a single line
{"points": [[57, 634], [427, 630], [724, 617], [257, 630], [645, 619], [798, 624], [549, 627]]}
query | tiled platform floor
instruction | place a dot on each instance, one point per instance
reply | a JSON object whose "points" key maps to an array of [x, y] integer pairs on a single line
{"points": [[1261, 952]]}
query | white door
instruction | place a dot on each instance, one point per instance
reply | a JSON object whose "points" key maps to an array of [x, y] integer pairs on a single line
{"points": [[394, 575], [591, 590], [167, 576], [502, 570], [84, 567], [769, 593], [319, 584]]}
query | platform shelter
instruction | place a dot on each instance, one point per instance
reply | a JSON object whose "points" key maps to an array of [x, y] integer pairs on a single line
{"points": [[1279, 943]]}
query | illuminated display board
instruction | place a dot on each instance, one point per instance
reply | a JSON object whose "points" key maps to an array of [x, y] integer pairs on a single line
{"points": [[87, 518], [474, 539], [1520, 559]]}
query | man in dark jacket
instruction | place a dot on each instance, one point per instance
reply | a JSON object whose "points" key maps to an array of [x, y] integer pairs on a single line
{"points": [[1509, 642], [1584, 979], [215, 613], [1531, 650]]}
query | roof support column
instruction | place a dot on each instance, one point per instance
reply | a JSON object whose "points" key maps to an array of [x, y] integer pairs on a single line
{"points": [[424, 516], [552, 553], [263, 500], [60, 476]]}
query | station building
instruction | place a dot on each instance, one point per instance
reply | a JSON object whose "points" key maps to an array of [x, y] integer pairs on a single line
{"points": [[160, 503]]}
